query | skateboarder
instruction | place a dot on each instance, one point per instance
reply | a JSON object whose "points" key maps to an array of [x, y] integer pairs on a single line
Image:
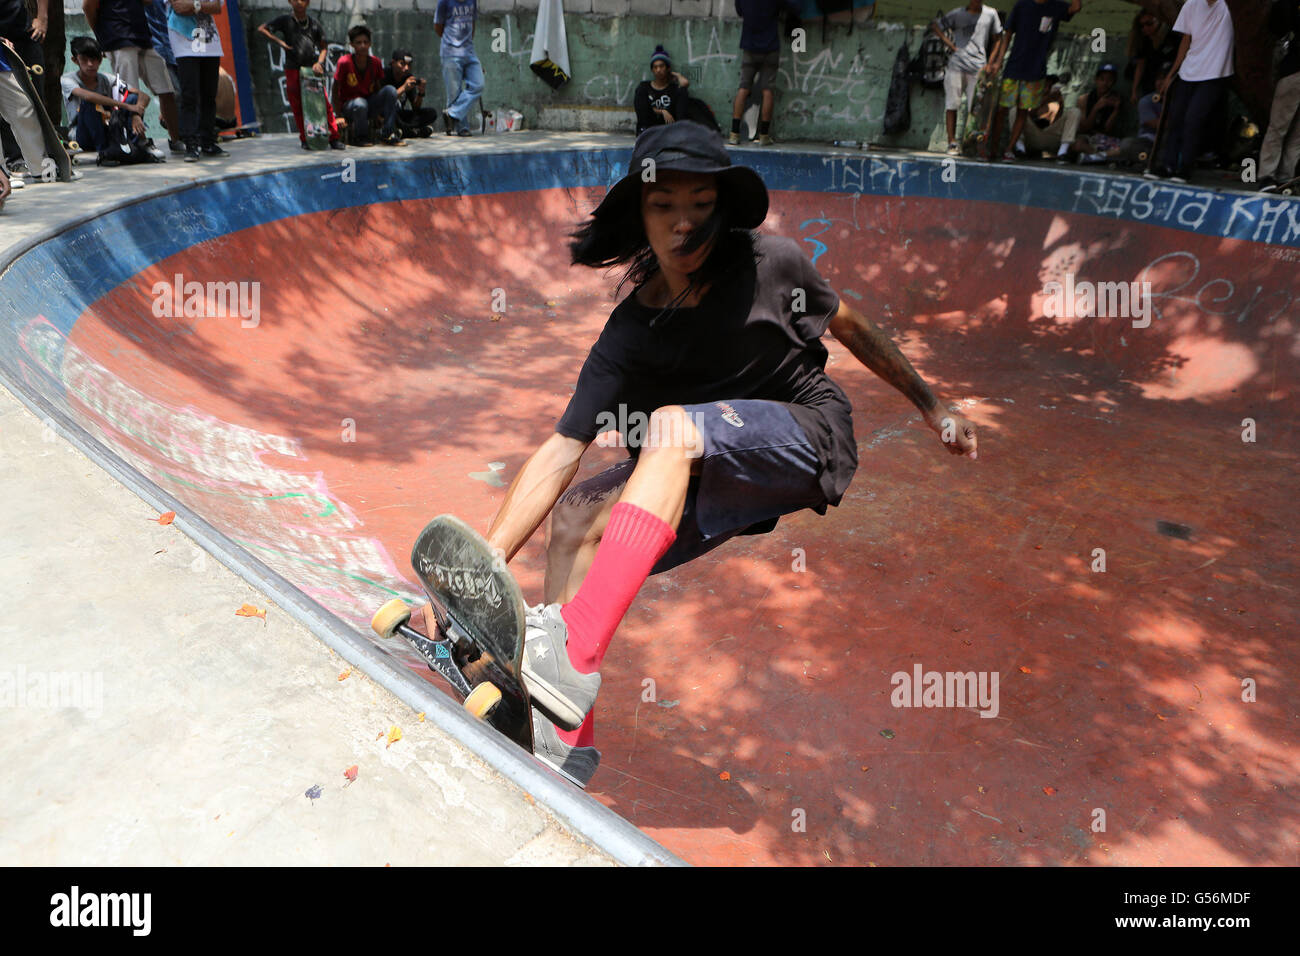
{"points": [[717, 352]]}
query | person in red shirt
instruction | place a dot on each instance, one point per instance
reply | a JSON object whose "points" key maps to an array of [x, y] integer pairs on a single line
{"points": [[359, 92]]}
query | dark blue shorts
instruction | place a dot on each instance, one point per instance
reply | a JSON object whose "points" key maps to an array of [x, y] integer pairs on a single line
{"points": [[756, 465]]}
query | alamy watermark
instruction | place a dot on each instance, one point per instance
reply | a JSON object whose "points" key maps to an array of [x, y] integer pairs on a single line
{"points": [[179, 299], [53, 690], [636, 429], [946, 689], [75, 908], [1114, 300]]}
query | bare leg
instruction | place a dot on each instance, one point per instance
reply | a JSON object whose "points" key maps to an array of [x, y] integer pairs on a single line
{"points": [[658, 484], [995, 135], [738, 106], [765, 114], [1017, 128], [950, 121], [170, 117]]}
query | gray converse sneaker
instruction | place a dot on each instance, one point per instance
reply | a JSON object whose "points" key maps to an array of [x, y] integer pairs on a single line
{"points": [[556, 686], [574, 764]]}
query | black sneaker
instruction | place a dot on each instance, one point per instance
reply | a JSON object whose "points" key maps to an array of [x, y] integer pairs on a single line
{"points": [[337, 144], [176, 146], [213, 149], [191, 154], [1268, 184], [463, 132], [304, 145], [394, 139], [575, 764], [448, 123]]}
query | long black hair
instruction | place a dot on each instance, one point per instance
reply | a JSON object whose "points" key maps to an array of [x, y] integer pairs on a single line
{"points": [[619, 238]]}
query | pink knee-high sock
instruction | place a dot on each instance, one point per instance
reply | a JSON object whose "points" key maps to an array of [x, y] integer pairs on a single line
{"points": [[633, 542]]}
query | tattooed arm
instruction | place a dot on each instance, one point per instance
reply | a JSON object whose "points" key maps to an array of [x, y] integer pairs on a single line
{"points": [[873, 347]]}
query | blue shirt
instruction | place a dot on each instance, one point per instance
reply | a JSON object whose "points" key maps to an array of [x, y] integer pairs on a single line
{"points": [[457, 18], [156, 14], [1034, 25]]}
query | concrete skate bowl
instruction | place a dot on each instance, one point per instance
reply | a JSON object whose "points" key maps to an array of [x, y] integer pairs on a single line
{"points": [[1121, 557]]}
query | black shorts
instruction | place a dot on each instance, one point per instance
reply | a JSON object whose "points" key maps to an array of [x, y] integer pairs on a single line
{"points": [[756, 465]]}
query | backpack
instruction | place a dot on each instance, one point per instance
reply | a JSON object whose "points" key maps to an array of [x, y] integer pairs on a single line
{"points": [[898, 106], [932, 57], [698, 111], [123, 146]]}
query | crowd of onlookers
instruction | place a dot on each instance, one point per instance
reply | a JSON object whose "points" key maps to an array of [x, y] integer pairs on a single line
{"points": [[1167, 109], [1178, 75]]}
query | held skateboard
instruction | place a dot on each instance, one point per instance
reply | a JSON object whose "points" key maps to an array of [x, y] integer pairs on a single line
{"points": [[61, 162], [980, 117], [476, 639], [315, 120]]}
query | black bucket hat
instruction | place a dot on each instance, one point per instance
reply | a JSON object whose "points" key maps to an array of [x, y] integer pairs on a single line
{"points": [[690, 148]]}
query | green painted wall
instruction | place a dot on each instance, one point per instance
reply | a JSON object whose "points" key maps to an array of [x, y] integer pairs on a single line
{"points": [[833, 90]]}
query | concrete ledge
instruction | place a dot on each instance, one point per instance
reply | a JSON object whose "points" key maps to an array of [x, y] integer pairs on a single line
{"points": [[588, 119]]}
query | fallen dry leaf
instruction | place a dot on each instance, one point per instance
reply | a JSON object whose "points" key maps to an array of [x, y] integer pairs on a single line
{"points": [[248, 610], [1158, 717], [167, 517], [420, 716], [1049, 790], [394, 735], [346, 674], [724, 776], [351, 773], [1025, 670]]}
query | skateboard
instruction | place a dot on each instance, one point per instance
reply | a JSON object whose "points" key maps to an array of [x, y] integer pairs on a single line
{"points": [[1151, 156], [1289, 187], [980, 117], [315, 121], [54, 148], [477, 644]]}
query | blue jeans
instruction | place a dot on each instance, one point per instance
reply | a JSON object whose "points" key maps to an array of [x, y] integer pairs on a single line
{"points": [[359, 110], [462, 77]]}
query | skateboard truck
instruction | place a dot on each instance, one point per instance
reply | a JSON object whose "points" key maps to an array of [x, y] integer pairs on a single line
{"points": [[437, 652]]}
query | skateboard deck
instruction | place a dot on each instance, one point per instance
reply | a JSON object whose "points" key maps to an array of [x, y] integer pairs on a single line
{"points": [[315, 121], [478, 642], [980, 117], [61, 162], [1152, 155]]}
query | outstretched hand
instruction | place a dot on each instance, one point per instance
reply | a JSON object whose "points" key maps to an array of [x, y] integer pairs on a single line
{"points": [[955, 431]]}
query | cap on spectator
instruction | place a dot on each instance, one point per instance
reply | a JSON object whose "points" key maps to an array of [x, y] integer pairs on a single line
{"points": [[1107, 68], [403, 55], [660, 54]]}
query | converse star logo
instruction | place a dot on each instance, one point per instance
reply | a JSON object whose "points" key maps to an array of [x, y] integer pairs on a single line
{"points": [[540, 651]]}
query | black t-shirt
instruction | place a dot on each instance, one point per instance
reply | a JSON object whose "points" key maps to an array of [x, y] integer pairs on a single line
{"points": [[407, 100], [15, 21], [1154, 56], [1103, 115], [301, 37], [743, 341], [122, 23], [648, 99]]}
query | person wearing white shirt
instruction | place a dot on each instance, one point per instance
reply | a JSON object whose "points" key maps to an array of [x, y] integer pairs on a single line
{"points": [[1197, 84]]}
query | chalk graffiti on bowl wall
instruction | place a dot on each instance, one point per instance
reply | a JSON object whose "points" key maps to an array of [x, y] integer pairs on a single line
{"points": [[286, 518]]}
